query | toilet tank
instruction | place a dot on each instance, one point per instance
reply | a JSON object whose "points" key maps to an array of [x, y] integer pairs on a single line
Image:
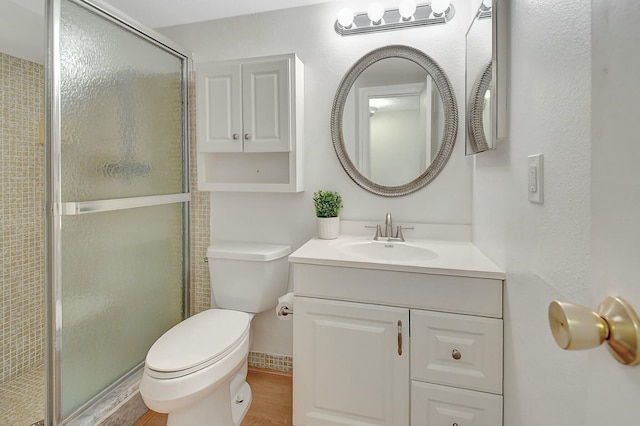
{"points": [[248, 277]]}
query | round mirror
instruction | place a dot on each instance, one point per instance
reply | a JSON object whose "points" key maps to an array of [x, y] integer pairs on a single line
{"points": [[394, 121]]}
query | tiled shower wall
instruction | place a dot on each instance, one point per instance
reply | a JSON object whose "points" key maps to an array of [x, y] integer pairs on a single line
{"points": [[200, 225], [21, 219]]}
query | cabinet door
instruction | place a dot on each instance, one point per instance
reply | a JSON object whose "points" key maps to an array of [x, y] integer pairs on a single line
{"points": [[434, 405], [349, 368], [219, 107], [266, 92]]}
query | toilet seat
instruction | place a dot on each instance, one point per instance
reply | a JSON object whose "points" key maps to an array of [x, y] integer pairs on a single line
{"points": [[197, 342]]}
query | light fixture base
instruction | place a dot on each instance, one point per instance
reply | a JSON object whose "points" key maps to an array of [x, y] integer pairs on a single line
{"points": [[392, 20]]}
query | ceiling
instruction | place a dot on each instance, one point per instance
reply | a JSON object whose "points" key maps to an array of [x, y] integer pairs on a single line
{"points": [[22, 21], [165, 13], [157, 14]]}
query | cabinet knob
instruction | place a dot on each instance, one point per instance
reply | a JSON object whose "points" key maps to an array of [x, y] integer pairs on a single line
{"points": [[247, 136], [235, 136], [400, 338], [455, 354]]}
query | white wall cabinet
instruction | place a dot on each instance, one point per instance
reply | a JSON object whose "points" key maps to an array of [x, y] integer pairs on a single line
{"points": [[250, 123], [347, 369]]}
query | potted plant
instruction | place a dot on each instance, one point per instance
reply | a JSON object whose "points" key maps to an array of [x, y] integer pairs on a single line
{"points": [[328, 205]]}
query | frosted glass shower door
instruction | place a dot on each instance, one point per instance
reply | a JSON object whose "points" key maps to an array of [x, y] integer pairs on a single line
{"points": [[118, 196]]}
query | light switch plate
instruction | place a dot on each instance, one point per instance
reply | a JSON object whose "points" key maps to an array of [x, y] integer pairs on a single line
{"points": [[535, 181]]}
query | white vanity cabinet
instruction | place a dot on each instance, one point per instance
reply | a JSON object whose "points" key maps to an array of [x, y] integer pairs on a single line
{"points": [[397, 348], [250, 121]]}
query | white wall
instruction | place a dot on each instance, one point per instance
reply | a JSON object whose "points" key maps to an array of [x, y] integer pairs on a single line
{"points": [[289, 218], [544, 249], [22, 29]]}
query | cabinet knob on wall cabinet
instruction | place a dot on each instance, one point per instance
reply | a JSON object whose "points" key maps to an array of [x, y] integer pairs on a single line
{"points": [[247, 136], [575, 327], [235, 136]]}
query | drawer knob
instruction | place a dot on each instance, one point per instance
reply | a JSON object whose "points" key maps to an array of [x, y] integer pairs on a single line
{"points": [[455, 354], [455, 424]]}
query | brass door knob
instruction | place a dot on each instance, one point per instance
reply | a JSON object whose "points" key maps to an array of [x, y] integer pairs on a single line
{"points": [[575, 327]]}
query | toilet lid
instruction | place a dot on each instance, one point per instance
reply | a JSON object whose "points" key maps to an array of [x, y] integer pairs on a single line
{"points": [[198, 341]]}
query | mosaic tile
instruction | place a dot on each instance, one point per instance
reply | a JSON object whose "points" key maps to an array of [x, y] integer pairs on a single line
{"points": [[271, 362], [21, 217]]}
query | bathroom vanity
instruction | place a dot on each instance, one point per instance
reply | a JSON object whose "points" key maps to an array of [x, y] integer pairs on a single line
{"points": [[396, 333]]}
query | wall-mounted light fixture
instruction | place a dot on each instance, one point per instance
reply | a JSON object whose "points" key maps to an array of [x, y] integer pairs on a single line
{"points": [[407, 15], [484, 12]]}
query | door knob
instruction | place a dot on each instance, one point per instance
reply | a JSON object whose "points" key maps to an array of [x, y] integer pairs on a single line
{"points": [[576, 327]]}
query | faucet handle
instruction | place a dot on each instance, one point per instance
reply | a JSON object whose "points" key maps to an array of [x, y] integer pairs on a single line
{"points": [[399, 232], [378, 233]]}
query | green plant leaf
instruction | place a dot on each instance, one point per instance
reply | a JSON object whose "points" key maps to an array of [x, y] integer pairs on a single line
{"points": [[327, 203]]}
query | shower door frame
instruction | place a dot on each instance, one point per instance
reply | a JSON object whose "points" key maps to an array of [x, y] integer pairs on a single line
{"points": [[55, 209]]}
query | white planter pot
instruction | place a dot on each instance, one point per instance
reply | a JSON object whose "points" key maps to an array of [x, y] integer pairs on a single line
{"points": [[328, 228]]}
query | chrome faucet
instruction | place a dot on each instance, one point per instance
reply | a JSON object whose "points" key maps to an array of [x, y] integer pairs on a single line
{"points": [[388, 230], [388, 226]]}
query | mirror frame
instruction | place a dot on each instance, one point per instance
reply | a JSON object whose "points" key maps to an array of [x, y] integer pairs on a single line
{"points": [[450, 130], [475, 122]]}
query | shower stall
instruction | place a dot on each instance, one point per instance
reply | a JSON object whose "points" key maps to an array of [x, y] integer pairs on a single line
{"points": [[113, 272]]}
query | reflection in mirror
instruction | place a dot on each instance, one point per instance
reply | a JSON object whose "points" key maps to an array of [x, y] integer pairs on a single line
{"points": [[394, 121], [479, 113], [478, 82]]}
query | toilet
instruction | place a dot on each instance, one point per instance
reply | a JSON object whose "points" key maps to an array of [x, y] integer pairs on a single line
{"points": [[196, 372]]}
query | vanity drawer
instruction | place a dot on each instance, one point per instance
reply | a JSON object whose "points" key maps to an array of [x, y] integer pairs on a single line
{"points": [[465, 295], [434, 405], [457, 350]]}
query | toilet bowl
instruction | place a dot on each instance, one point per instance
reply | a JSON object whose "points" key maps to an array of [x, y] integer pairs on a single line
{"points": [[196, 372]]}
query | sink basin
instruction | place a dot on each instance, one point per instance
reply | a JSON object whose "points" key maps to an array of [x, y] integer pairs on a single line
{"points": [[387, 251]]}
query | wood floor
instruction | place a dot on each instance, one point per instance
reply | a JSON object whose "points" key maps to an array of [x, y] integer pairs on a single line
{"points": [[271, 406]]}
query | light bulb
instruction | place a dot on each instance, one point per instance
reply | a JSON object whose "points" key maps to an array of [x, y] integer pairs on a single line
{"points": [[439, 6], [345, 17], [406, 9], [375, 12]]}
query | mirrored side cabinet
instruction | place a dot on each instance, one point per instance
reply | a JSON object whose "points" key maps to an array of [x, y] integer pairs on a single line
{"points": [[486, 77]]}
